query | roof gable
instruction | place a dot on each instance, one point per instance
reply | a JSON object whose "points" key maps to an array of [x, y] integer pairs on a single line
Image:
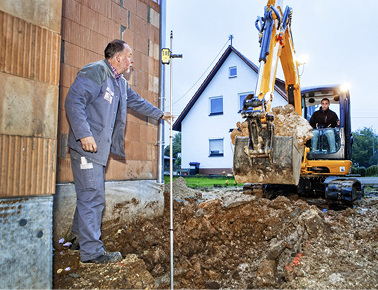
{"points": [[209, 78]]}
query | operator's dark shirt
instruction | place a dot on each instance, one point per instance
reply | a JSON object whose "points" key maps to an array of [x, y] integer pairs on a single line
{"points": [[324, 119]]}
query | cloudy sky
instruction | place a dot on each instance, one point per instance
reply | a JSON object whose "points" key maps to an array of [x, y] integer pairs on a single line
{"points": [[337, 35]]}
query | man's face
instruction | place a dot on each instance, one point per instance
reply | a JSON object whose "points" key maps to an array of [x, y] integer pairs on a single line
{"points": [[325, 105], [125, 60]]}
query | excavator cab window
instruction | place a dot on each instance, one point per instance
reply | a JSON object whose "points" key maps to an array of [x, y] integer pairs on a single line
{"points": [[326, 140]]}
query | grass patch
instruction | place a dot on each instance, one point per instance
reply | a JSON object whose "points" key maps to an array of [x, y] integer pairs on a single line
{"points": [[199, 181]]}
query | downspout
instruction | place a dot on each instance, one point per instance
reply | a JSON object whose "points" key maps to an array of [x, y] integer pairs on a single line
{"points": [[161, 143]]}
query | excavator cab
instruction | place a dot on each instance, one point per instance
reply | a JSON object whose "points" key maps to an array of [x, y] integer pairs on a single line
{"points": [[329, 143]]}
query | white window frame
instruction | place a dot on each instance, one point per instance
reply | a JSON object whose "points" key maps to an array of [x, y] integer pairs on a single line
{"points": [[229, 72], [216, 113], [219, 154]]}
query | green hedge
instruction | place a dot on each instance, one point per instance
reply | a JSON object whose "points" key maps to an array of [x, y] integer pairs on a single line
{"points": [[362, 171], [372, 170]]}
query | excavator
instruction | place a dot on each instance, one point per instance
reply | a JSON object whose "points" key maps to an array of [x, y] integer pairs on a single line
{"points": [[273, 163]]}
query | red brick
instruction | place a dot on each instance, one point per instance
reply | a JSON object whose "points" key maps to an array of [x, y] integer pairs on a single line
{"points": [[140, 43], [89, 18], [103, 24], [64, 171], [116, 12], [71, 10], [154, 34], [132, 132], [153, 66], [129, 151], [91, 56], [141, 150], [97, 42], [144, 63], [140, 26], [74, 55], [128, 36], [142, 10], [123, 17], [143, 134], [152, 134], [113, 30], [103, 7], [131, 5]]}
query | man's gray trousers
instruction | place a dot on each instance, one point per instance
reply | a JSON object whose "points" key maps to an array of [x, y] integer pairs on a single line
{"points": [[89, 181]]}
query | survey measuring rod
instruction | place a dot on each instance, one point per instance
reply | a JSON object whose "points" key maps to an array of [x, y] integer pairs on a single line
{"points": [[166, 56]]}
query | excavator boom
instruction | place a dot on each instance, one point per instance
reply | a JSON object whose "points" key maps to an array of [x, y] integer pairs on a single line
{"points": [[263, 157]]}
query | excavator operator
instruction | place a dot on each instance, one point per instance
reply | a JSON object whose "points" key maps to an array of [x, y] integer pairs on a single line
{"points": [[326, 119]]}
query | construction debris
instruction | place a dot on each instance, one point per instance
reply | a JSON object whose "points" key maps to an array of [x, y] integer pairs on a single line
{"points": [[237, 241]]}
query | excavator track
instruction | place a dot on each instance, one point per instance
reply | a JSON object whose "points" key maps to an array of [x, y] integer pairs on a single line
{"points": [[343, 192], [332, 192]]}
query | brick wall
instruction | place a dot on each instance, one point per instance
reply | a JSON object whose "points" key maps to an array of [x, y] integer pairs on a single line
{"points": [[87, 27]]}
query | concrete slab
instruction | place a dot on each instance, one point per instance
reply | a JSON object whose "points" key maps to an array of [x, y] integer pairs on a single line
{"points": [[125, 202], [25, 242]]}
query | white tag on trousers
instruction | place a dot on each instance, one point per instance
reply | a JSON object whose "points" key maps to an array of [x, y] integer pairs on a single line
{"points": [[84, 164]]}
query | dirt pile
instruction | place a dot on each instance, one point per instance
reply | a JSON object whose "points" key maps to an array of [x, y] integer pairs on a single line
{"points": [[181, 190], [238, 241], [284, 163], [287, 122]]}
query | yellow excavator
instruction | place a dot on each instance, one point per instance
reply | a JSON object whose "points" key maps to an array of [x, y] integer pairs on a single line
{"points": [[275, 163]]}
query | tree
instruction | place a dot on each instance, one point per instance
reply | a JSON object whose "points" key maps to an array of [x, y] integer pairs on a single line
{"points": [[176, 146], [364, 142]]}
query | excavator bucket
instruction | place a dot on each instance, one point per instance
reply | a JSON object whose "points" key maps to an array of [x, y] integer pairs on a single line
{"points": [[283, 166]]}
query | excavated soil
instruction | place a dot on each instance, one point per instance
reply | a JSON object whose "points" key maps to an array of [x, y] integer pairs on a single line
{"points": [[226, 239], [287, 122]]}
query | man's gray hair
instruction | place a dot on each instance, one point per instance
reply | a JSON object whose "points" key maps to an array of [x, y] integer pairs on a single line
{"points": [[114, 47]]}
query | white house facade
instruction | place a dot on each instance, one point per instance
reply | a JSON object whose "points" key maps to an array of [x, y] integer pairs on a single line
{"points": [[214, 110]]}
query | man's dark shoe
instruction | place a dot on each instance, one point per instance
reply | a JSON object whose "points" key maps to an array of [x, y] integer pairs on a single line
{"points": [[75, 246], [106, 257]]}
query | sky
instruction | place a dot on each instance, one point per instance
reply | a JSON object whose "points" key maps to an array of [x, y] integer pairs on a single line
{"points": [[339, 37]]}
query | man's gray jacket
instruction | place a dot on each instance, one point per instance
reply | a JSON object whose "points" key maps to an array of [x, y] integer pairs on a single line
{"points": [[96, 105]]}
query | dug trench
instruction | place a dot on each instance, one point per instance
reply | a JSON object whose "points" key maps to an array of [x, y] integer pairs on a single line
{"points": [[226, 239]]}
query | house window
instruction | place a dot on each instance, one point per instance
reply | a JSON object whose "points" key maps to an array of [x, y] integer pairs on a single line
{"points": [[215, 147], [233, 72], [216, 106], [242, 97]]}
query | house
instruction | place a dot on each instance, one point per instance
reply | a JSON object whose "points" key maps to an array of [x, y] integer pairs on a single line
{"points": [[214, 110]]}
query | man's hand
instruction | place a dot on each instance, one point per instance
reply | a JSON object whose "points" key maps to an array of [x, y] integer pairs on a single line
{"points": [[89, 144], [168, 118]]}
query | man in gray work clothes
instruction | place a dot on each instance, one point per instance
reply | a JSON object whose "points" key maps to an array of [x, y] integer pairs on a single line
{"points": [[96, 107]]}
